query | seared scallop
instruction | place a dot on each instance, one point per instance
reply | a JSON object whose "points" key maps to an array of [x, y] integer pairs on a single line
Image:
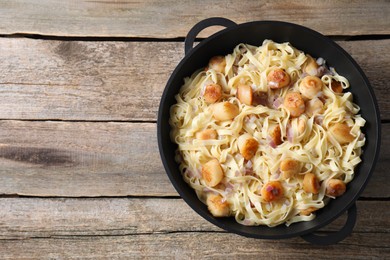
{"points": [[212, 93], [206, 134], [342, 133], [217, 206], [245, 94], [278, 78], [272, 191], [223, 111], [311, 183], [212, 173], [294, 103], [275, 135], [289, 168], [310, 66], [218, 63], [310, 86], [335, 187], [247, 146]]}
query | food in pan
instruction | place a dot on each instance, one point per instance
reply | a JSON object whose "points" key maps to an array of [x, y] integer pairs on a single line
{"points": [[267, 134]]}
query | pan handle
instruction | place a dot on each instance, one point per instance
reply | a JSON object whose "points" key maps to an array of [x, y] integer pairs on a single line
{"points": [[191, 36], [338, 235]]}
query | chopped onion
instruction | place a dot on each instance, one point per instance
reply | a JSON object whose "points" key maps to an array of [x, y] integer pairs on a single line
{"points": [[320, 61], [277, 102], [248, 164], [192, 174], [252, 119], [247, 222], [276, 175], [227, 193], [290, 133], [303, 75]]}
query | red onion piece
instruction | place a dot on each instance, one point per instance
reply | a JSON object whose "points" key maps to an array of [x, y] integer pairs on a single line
{"points": [[290, 133]]}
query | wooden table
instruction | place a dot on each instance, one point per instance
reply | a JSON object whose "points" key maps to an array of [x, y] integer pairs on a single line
{"points": [[80, 172]]}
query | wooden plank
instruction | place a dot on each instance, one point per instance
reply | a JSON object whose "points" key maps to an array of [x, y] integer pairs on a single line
{"points": [[25, 218], [192, 246], [174, 19], [101, 228], [83, 80], [80, 159], [121, 81], [102, 159]]}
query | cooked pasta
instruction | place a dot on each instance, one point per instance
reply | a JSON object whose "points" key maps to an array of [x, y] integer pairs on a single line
{"points": [[267, 135]]}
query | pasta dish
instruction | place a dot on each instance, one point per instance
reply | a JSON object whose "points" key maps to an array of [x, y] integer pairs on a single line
{"points": [[266, 134]]}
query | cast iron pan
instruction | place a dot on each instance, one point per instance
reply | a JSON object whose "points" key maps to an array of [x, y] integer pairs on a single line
{"points": [[310, 42]]}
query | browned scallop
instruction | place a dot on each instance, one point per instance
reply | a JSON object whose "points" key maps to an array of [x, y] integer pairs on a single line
{"points": [[310, 86], [342, 133], [314, 106], [223, 111], [217, 206], [212, 173], [335, 187], [308, 211], [310, 66], [336, 86], [276, 136], [218, 63], [278, 78], [289, 167], [294, 103], [311, 183], [247, 146], [212, 93], [207, 134], [272, 191], [245, 94]]}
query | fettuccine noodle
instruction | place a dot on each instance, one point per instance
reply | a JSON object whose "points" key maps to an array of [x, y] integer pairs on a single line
{"points": [[300, 154]]}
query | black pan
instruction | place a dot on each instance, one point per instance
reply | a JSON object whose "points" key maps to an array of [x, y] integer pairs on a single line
{"points": [[310, 42]]}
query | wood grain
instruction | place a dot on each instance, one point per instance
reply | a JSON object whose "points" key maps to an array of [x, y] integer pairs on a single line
{"points": [[80, 159], [179, 245], [114, 227], [171, 19], [49, 217], [89, 159], [119, 81], [80, 171], [192, 246]]}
